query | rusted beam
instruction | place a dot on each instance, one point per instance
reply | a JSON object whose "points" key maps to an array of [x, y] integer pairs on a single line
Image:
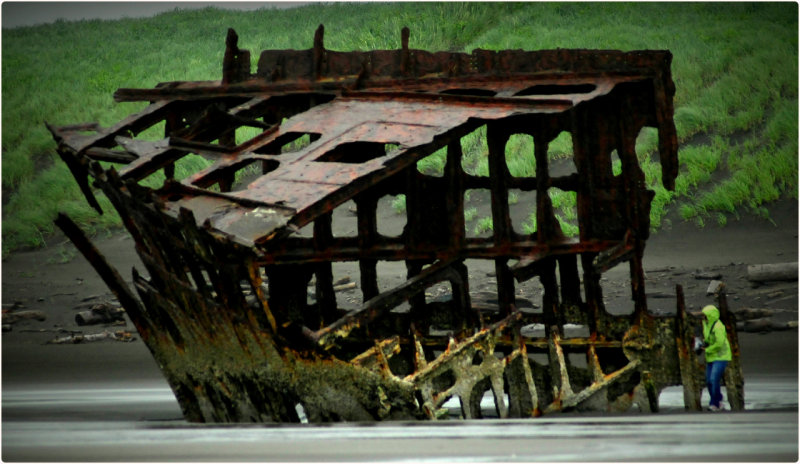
{"points": [[388, 250], [689, 365], [107, 272], [734, 378], [376, 306]]}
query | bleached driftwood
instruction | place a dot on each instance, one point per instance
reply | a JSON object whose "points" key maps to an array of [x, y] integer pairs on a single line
{"points": [[119, 335], [764, 325], [12, 317], [772, 272]]}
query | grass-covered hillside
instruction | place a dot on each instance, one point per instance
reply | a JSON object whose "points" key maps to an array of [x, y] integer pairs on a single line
{"points": [[735, 69]]}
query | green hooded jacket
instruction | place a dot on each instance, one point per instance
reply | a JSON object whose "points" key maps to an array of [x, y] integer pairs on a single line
{"points": [[717, 346]]}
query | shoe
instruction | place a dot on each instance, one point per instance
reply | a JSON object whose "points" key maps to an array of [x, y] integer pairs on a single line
{"points": [[713, 408]]}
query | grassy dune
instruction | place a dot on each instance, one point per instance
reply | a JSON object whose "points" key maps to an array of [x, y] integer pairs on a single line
{"points": [[735, 69]]}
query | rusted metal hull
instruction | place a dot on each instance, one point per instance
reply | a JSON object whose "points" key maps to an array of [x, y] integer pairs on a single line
{"points": [[225, 306]]}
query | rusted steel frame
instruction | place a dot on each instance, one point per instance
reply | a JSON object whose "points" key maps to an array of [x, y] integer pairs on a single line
{"points": [[104, 138], [173, 188], [638, 292], [454, 177], [550, 105], [391, 167], [109, 181], [593, 295], [288, 293], [628, 128], [547, 226], [466, 380], [415, 236], [496, 139], [527, 268], [435, 367], [231, 160], [393, 250], [172, 123], [667, 133], [214, 115], [734, 378], [224, 275], [175, 272], [212, 124], [199, 148], [387, 300], [553, 319], [417, 64], [198, 259], [252, 108], [366, 211], [79, 168], [235, 62], [107, 272], [376, 358], [575, 399], [575, 345], [202, 90], [569, 280], [566, 183], [420, 63], [558, 370], [149, 163], [151, 243], [164, 253], [609, 258], [323, 287], [80, 127], [689, 365], [152, 316], [638, 213], [508, 343], [593, 364], [112, 156], [582, 150]]}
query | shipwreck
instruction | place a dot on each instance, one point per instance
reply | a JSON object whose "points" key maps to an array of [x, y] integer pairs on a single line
{"points": [[237, 300]]}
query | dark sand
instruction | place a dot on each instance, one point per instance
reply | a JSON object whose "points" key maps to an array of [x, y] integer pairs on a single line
{"points": [[35, 280]]}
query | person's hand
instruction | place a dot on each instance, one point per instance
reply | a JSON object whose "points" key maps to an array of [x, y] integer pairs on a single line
{"points": [[699, 345]]}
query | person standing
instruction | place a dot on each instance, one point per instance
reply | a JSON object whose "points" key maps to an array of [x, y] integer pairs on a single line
{"points": [[718, 354]]}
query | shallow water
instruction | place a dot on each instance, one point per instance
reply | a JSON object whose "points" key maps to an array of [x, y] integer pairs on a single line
{"points": [[116, 422]]}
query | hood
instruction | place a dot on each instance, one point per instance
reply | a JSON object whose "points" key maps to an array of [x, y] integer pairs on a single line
{"points": [[712, 313]]}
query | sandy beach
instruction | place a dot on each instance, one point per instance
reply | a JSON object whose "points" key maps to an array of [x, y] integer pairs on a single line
{"points": [[53, 391]]}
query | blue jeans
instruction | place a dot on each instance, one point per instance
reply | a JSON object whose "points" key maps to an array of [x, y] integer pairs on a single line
{"points": [[714, 371]]}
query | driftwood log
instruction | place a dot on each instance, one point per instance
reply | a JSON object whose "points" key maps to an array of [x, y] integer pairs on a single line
{"points": [[102, 313], [764, 325], [760, 320], [12, 317], [119, 335], [772, 272], [714, 287]]}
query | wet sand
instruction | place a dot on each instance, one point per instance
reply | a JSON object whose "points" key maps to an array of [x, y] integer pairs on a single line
{"points": [[108, 401]]}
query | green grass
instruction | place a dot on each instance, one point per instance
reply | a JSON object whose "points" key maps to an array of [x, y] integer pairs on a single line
{"points": [[484, 224], [399, 204], [470, 214], [735, 70]]}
